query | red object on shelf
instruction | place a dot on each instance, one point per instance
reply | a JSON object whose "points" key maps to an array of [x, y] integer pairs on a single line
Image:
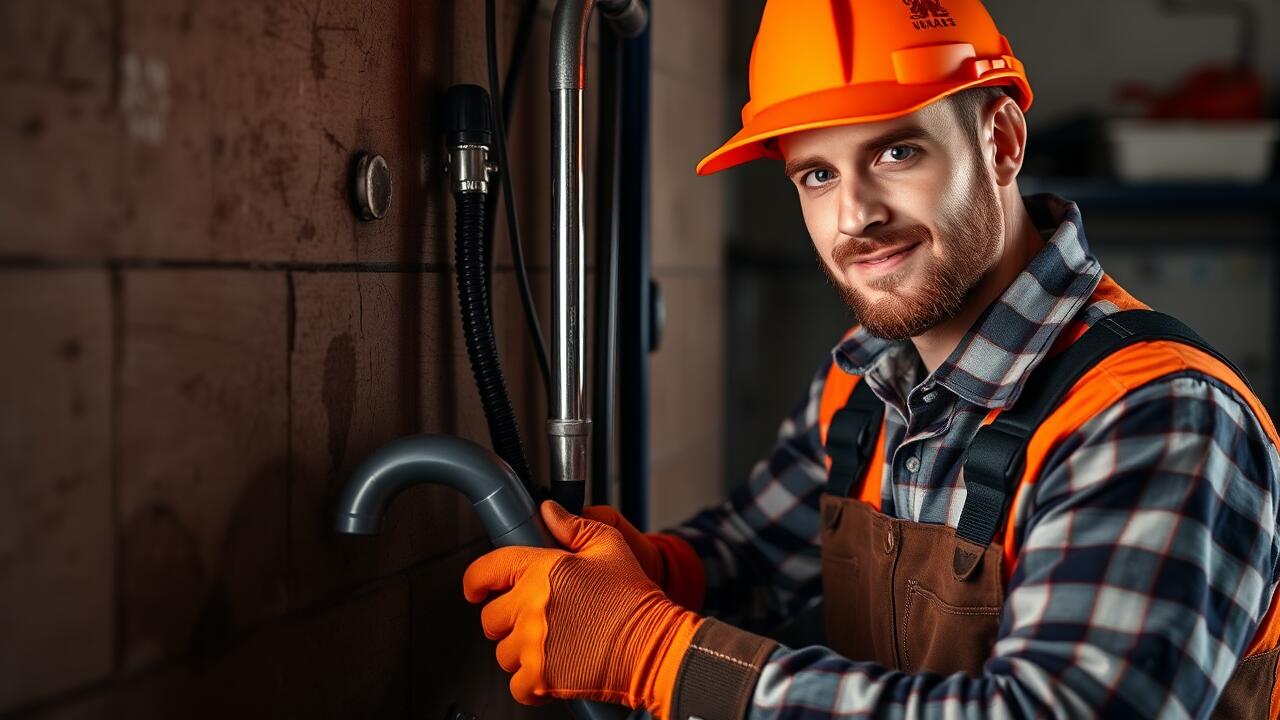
{"points": [[1210, 92]]}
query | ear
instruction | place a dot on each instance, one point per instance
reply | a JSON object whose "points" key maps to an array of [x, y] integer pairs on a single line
{"points": [[1004, 140]]}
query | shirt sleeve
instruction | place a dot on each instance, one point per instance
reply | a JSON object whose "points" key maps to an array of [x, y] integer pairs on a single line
{"points": [[760, 549], [1147, 561]]}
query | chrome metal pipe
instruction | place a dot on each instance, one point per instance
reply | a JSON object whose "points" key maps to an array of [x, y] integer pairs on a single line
{"points": [[569, 426]]}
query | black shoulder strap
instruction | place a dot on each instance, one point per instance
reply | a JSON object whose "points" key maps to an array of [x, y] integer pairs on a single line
{"points": [[996, 455], [851, 438]]}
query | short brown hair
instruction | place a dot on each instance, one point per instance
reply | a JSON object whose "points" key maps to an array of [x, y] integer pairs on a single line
{"points": [[969, 104]]}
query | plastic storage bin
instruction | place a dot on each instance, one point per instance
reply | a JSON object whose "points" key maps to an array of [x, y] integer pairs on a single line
{"points": [[1161, 151]]}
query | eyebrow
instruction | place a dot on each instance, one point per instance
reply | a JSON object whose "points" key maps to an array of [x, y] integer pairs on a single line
{"points": [[891, 137]]}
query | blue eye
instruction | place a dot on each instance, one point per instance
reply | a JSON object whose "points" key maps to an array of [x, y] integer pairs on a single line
{"points": [[816, 178], [897, 154]]}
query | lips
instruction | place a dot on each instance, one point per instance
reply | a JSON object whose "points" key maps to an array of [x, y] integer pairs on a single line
{"points": [[885, 255]]}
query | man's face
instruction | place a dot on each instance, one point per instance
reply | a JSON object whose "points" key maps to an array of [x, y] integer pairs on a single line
{"points": [[903, 214]]}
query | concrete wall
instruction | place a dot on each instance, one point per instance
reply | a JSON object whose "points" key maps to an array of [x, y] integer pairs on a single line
{"points": [[201, 342]]}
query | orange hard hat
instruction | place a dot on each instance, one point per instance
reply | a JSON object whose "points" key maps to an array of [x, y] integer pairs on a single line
{"points": [[820, 63]]}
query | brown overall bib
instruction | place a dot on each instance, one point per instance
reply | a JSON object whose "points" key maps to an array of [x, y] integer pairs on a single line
{"points": [[915, 597], [893, 598]]}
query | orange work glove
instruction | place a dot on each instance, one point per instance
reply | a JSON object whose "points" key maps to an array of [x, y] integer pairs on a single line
{"points": [[582, 623], [667, 559]]}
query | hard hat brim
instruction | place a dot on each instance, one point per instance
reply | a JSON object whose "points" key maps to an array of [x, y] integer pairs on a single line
{"points": [[848, 105]]}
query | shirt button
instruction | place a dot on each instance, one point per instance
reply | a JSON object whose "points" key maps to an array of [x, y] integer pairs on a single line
{"points": [[888, 541], [913, 464]]}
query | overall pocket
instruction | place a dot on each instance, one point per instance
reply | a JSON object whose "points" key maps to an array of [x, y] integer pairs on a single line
{"points": [[945, 638]]}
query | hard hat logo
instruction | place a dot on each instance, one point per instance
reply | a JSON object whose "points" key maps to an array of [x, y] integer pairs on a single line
{"points": [[921, 9], [928, 14]]}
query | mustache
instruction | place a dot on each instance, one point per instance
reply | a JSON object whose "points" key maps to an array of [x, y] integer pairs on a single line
{"points": [[854, 248]]}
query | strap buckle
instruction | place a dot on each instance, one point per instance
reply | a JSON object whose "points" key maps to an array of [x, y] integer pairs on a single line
{"points": [[851, 439], [991, 468]]}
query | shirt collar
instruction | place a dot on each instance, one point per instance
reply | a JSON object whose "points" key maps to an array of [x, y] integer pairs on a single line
{"points": [[991, 363]]}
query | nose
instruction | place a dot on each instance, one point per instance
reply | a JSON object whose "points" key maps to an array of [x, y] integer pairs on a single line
{"points": [[862, 208]]}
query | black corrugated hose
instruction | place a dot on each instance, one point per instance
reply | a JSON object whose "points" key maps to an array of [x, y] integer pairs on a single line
{"points": [[471, 256]]}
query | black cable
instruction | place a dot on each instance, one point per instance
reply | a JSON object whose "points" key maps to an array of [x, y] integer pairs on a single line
{"points": [[508, 196], [510, 87], [635, 291], [604, 366], [511, 83]]}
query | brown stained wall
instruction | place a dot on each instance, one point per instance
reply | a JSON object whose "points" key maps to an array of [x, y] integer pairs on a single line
{"points": [[689, 95], [201, 342]]}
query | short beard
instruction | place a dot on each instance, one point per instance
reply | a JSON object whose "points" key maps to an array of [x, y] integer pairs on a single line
{"points": [[971, 241]]}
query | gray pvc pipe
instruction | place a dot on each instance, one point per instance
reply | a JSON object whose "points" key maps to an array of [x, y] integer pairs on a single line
{"points": [[503, 505]]}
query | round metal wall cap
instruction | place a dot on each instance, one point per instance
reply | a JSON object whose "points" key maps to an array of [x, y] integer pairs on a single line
{"points": [[373, 186]]}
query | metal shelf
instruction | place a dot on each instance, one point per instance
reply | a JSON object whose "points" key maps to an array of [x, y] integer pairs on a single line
{"points": [[1111, 195]]}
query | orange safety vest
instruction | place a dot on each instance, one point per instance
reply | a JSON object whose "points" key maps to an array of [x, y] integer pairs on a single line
{"points": [[1099, 388]]}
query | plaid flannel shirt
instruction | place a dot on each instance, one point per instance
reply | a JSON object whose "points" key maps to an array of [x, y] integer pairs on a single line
{"points": [[1147, 552]]}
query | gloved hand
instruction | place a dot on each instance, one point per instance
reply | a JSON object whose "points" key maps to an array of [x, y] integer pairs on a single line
{"points": [[667, 559], [582, 623], [642, 547]]}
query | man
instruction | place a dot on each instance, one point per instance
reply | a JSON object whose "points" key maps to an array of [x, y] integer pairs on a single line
{"points": [[1019, 492]]}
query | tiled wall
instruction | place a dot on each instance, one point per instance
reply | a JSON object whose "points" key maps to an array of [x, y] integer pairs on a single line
{"points": [[200, 342]]}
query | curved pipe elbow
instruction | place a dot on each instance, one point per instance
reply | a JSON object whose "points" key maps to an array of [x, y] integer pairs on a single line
{"points": [[628, 18], [569, 24], [499, 499]]}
